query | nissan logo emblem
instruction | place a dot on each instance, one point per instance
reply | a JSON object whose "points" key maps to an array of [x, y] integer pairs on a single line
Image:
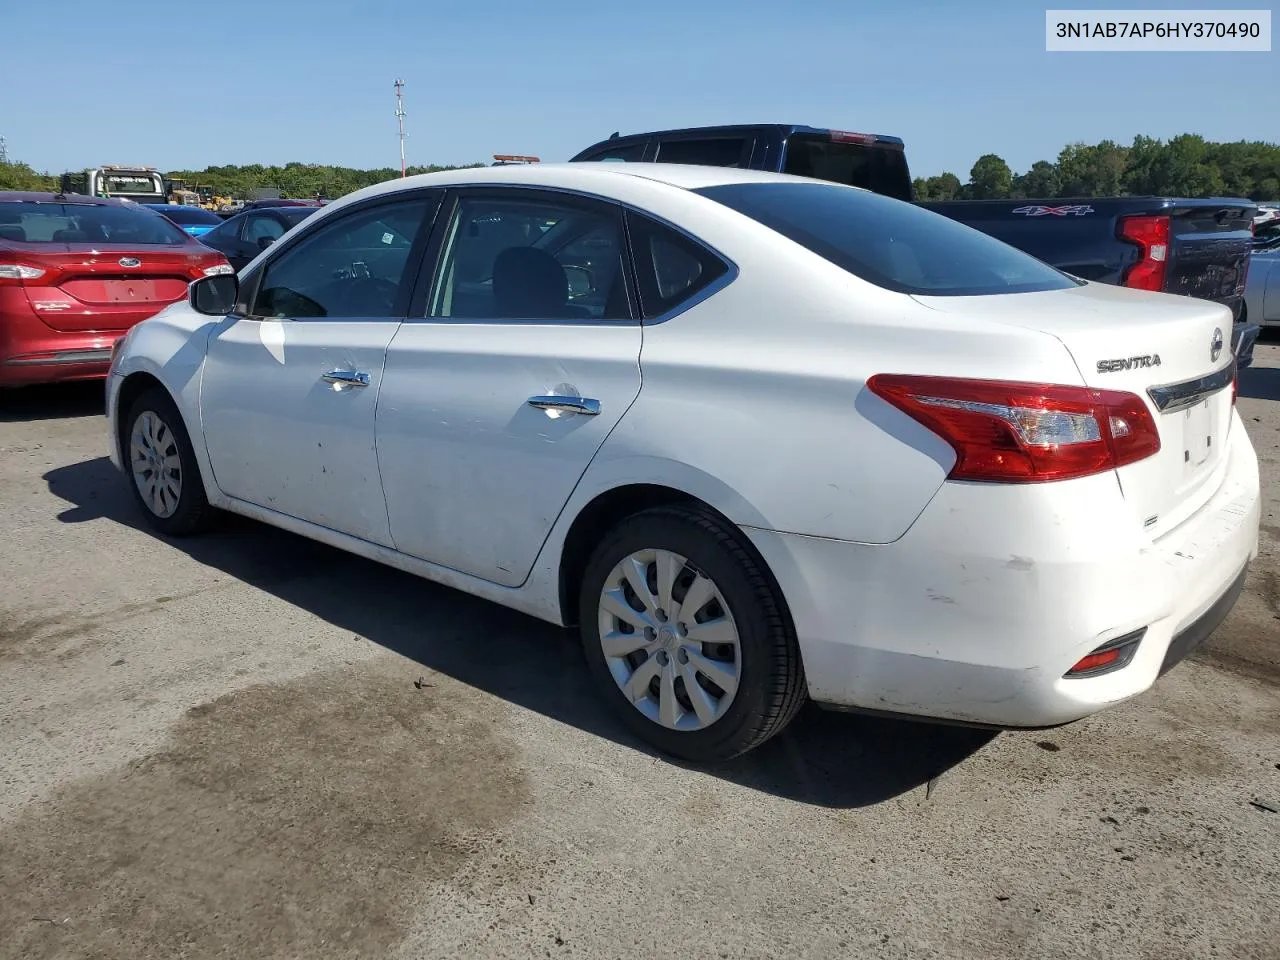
{"points": [[135, 262], [1215, 345]]}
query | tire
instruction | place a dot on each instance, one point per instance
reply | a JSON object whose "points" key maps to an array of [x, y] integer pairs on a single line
{"points": [[154, 415], [765, 663]]}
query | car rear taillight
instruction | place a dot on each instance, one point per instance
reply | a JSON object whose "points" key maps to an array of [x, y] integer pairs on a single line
{"points": [[19, 272], [1013, 432], [218, 269], [1151, 235], [848, 136]]}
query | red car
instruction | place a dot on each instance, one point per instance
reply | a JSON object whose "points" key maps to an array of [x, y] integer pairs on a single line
{"points": [[76, 273]]}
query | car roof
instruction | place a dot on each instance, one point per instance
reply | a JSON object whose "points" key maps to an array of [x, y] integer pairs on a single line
{"points": [[34, 196], [590, 177], [786, 129]]}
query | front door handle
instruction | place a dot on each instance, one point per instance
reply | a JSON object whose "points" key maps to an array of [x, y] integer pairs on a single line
{"points": [[584, 405], [346, 378]]}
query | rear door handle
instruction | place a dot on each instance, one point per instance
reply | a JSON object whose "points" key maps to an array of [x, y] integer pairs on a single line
{"points": [[346, 378], [584, 405]]}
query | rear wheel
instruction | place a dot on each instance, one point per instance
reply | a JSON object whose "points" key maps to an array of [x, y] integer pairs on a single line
{"points": [[162, 468], [684, 633]]}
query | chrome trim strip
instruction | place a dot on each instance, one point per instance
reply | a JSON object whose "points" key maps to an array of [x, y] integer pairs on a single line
{"points": [[70, 356], [1178, 396]]}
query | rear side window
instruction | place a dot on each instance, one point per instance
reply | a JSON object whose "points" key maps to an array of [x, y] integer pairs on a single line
{"points": [[27, 222], [892, 244], [715, 152], [876, 168], [671, 269]]}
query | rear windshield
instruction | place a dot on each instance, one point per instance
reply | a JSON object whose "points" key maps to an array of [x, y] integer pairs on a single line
{"points": [[892, 244], [880, 169], [188, 215], [28, 222]]}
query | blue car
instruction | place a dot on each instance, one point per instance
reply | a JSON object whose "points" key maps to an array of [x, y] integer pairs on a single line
{"points": [[196, 221]]}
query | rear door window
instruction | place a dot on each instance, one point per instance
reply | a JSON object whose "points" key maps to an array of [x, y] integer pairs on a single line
{"points": [[530, 255], [707, 152]]}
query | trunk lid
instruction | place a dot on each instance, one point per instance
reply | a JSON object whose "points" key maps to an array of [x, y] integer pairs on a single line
{"points": [[108, 287], [1174, 352]]}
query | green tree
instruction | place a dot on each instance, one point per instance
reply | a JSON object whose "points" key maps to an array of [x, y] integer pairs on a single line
{"points": [[1041, 180], [990, 178], [945, 186], [1091, 171]]}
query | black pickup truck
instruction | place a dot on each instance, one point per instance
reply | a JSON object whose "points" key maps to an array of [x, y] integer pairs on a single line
{"points": [[1198, 248]]}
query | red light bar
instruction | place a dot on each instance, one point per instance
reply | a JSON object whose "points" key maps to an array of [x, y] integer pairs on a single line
{"points": [[515, 158]]}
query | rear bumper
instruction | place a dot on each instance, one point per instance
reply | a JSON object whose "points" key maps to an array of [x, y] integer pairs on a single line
{"points": [[976, 614]]}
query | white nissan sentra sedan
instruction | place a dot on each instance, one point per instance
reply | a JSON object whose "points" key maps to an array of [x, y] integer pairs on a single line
{"points": [[758, 437]]}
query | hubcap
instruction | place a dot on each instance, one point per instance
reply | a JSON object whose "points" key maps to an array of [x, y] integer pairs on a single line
{"points": [[669, 640], [157, 468]]}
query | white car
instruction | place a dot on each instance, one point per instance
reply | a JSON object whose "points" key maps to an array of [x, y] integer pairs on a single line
{"points": [[1262, 284], [758, 437]]}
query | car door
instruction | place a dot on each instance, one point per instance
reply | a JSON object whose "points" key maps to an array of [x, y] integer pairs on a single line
{"points": [[290, 385], [522, 358]]}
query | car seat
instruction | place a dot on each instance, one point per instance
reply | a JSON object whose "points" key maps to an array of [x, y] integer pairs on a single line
{"points": [[530, 284]]}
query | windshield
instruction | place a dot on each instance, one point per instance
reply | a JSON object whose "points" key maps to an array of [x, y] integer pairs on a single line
{"points": [[892, 244], [877, 168], [131, 183], [28, 222]]}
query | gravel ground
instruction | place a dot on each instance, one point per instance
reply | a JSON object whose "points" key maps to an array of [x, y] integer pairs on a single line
{"points": [[253, 746]]}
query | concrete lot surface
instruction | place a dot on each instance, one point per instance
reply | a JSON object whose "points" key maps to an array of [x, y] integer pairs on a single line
{"points": [[251, 746]]}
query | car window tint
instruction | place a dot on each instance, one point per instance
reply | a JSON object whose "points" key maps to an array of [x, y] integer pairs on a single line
{"points": [[262, 227], [892, 244], [531, 259], [671, 269], [350, 267], [631, 153], [717, 152]]}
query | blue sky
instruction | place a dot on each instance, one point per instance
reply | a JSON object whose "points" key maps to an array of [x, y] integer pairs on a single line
{"points": [[311, 80]]}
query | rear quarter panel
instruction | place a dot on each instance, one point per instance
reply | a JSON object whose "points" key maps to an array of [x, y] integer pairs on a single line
{"points": [[756, 397]]}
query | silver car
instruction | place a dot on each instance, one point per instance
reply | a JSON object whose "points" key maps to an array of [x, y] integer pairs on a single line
{"points": [[1262, 292]]}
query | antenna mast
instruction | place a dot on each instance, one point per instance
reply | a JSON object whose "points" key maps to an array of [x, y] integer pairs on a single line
{"points": [[400, 119]]}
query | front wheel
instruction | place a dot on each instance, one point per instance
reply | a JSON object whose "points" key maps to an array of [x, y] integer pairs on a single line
{"points": [[162, 468], [686, 636]]}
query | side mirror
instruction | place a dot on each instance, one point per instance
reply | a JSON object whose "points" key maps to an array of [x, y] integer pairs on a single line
{"points": [[264, 242], [214, 296]]}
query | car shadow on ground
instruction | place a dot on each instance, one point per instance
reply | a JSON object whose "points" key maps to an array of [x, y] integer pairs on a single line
{"points": [[1260, 383], [60, 401], [824, 758]]}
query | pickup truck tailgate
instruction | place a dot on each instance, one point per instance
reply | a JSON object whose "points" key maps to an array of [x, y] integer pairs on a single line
{"points": [[1209, 255]]}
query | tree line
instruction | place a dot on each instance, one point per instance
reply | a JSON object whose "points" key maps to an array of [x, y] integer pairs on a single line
{"points": [[1185, 166], [240, 182]]}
